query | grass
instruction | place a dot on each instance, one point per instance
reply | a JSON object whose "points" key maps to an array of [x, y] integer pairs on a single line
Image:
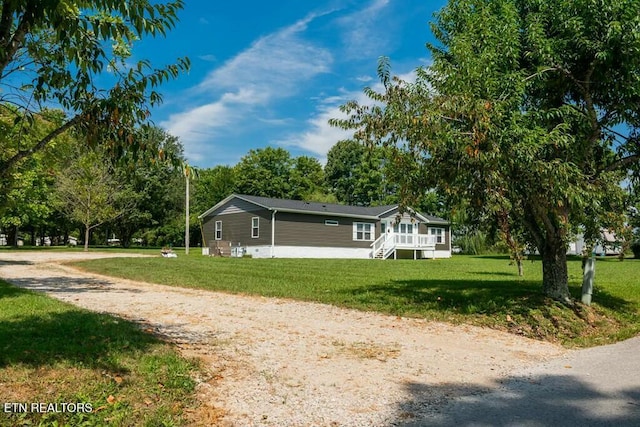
{"points": [[480, 290], [53, 353]]}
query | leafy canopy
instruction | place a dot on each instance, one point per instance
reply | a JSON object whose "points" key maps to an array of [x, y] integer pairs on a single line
{"points": [[529, 109], [76, 55]]}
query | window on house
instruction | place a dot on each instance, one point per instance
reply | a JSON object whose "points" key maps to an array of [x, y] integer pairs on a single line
{"points": [[363, 231], [255, 227], [331, 222], [437, 233], [218, 230]]}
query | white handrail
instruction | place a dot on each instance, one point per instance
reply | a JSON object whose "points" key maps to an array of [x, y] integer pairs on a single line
{"points": [[389, 241]]}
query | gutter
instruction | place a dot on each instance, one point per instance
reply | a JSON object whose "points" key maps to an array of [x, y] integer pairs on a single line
{"points": [[273, 232]]}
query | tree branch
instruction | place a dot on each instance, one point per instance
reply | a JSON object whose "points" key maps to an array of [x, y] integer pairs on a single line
{"points": [[8, 164], [17, 40], [623, 162]]}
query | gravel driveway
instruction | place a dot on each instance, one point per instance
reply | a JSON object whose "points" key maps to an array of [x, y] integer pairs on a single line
{"points": [[275, 362]]}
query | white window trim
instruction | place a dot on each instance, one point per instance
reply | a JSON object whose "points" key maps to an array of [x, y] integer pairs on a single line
{"points": [[371, 231], [331, 222], [255, 227], [438, 238], [218, 230]]}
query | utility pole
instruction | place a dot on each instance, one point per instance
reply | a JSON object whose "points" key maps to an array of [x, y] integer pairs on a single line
{"points": [[186, 230]]}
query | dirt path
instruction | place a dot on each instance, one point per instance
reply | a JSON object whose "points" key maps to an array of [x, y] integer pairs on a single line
{"points": [[276, 362]]}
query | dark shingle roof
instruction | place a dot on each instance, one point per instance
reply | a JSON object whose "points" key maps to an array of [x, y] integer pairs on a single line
{"points": [[301, 206], [317, 207]]}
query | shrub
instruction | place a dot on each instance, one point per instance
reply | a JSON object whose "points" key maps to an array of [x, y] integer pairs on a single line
{"points": [[635, 248], [473, 243]]}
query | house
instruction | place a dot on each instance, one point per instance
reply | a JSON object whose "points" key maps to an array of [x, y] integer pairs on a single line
{"points": [[608, 244], [266, 228]]}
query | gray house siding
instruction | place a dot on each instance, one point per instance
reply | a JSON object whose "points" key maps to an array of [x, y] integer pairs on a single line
{"points": [[308, 224], [424, 229], [237, 227], [293, 229]]}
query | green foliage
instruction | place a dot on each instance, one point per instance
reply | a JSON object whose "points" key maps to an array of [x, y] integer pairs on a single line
{"points": [[307, 177], [25, 196], [359, 175], [342, 161], [58, 53], [89, 193], [635, 248], [212, 186], [153, 192], [517, 116], [265, 172], [473, 242], [272, 172]]}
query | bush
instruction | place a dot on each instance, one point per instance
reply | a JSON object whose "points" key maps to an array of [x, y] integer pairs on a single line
{"points": [[473, 243], [635, 248]]}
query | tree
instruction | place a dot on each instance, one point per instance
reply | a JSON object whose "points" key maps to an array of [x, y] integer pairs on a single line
{"points": [[150, 188], [212, 186], [520, 112], [359, 175], [307, 178], [56, 53], [342, 161], [25, 201], [265, 172], [88, 193]]}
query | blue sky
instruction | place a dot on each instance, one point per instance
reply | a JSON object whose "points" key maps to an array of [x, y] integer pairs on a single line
{"points": [[271, 73]]}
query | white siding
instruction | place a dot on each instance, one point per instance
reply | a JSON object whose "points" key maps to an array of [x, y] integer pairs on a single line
{"points": [[308, 252]]}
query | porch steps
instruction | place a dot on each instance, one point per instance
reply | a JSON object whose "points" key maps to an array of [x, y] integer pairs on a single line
{"points": [[380, 254]]}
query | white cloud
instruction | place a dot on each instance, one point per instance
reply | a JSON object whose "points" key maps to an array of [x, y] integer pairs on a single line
{"points": [[208, 58], [272, 68], [363, 35], [276, 63], [319, 136]]}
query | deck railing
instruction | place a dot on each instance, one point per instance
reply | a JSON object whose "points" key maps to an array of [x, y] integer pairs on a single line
{"points": [[388, 242]]}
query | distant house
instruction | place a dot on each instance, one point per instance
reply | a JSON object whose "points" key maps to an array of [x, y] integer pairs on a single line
{"points": [[279, 228], [608, 244]]}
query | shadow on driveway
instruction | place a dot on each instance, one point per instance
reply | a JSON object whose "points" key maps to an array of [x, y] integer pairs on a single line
{"points": [[67, 284], [546, 400]]}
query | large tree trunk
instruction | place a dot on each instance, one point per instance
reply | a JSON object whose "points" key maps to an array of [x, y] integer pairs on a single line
{"points": [[555, 279], [12, 236]]}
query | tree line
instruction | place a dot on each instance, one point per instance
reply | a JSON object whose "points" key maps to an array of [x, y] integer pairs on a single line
{"points": [[70, 189]]}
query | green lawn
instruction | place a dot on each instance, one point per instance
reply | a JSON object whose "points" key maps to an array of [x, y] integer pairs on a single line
{"points": [[482, 290], [52, 352]]}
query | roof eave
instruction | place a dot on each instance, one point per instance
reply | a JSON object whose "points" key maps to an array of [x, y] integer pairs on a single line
{"points": [[226, 199]]}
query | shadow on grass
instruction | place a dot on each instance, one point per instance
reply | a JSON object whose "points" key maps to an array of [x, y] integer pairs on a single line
{"points": [[495, 273], [546, 400], [66, 334], [468, 296]]}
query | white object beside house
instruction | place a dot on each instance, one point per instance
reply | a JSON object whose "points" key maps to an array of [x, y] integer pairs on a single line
{"points": [[608, 245], [280, 228]]}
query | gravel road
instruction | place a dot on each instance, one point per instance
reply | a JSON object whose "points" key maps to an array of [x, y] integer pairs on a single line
{"points": [[275, 362]]}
